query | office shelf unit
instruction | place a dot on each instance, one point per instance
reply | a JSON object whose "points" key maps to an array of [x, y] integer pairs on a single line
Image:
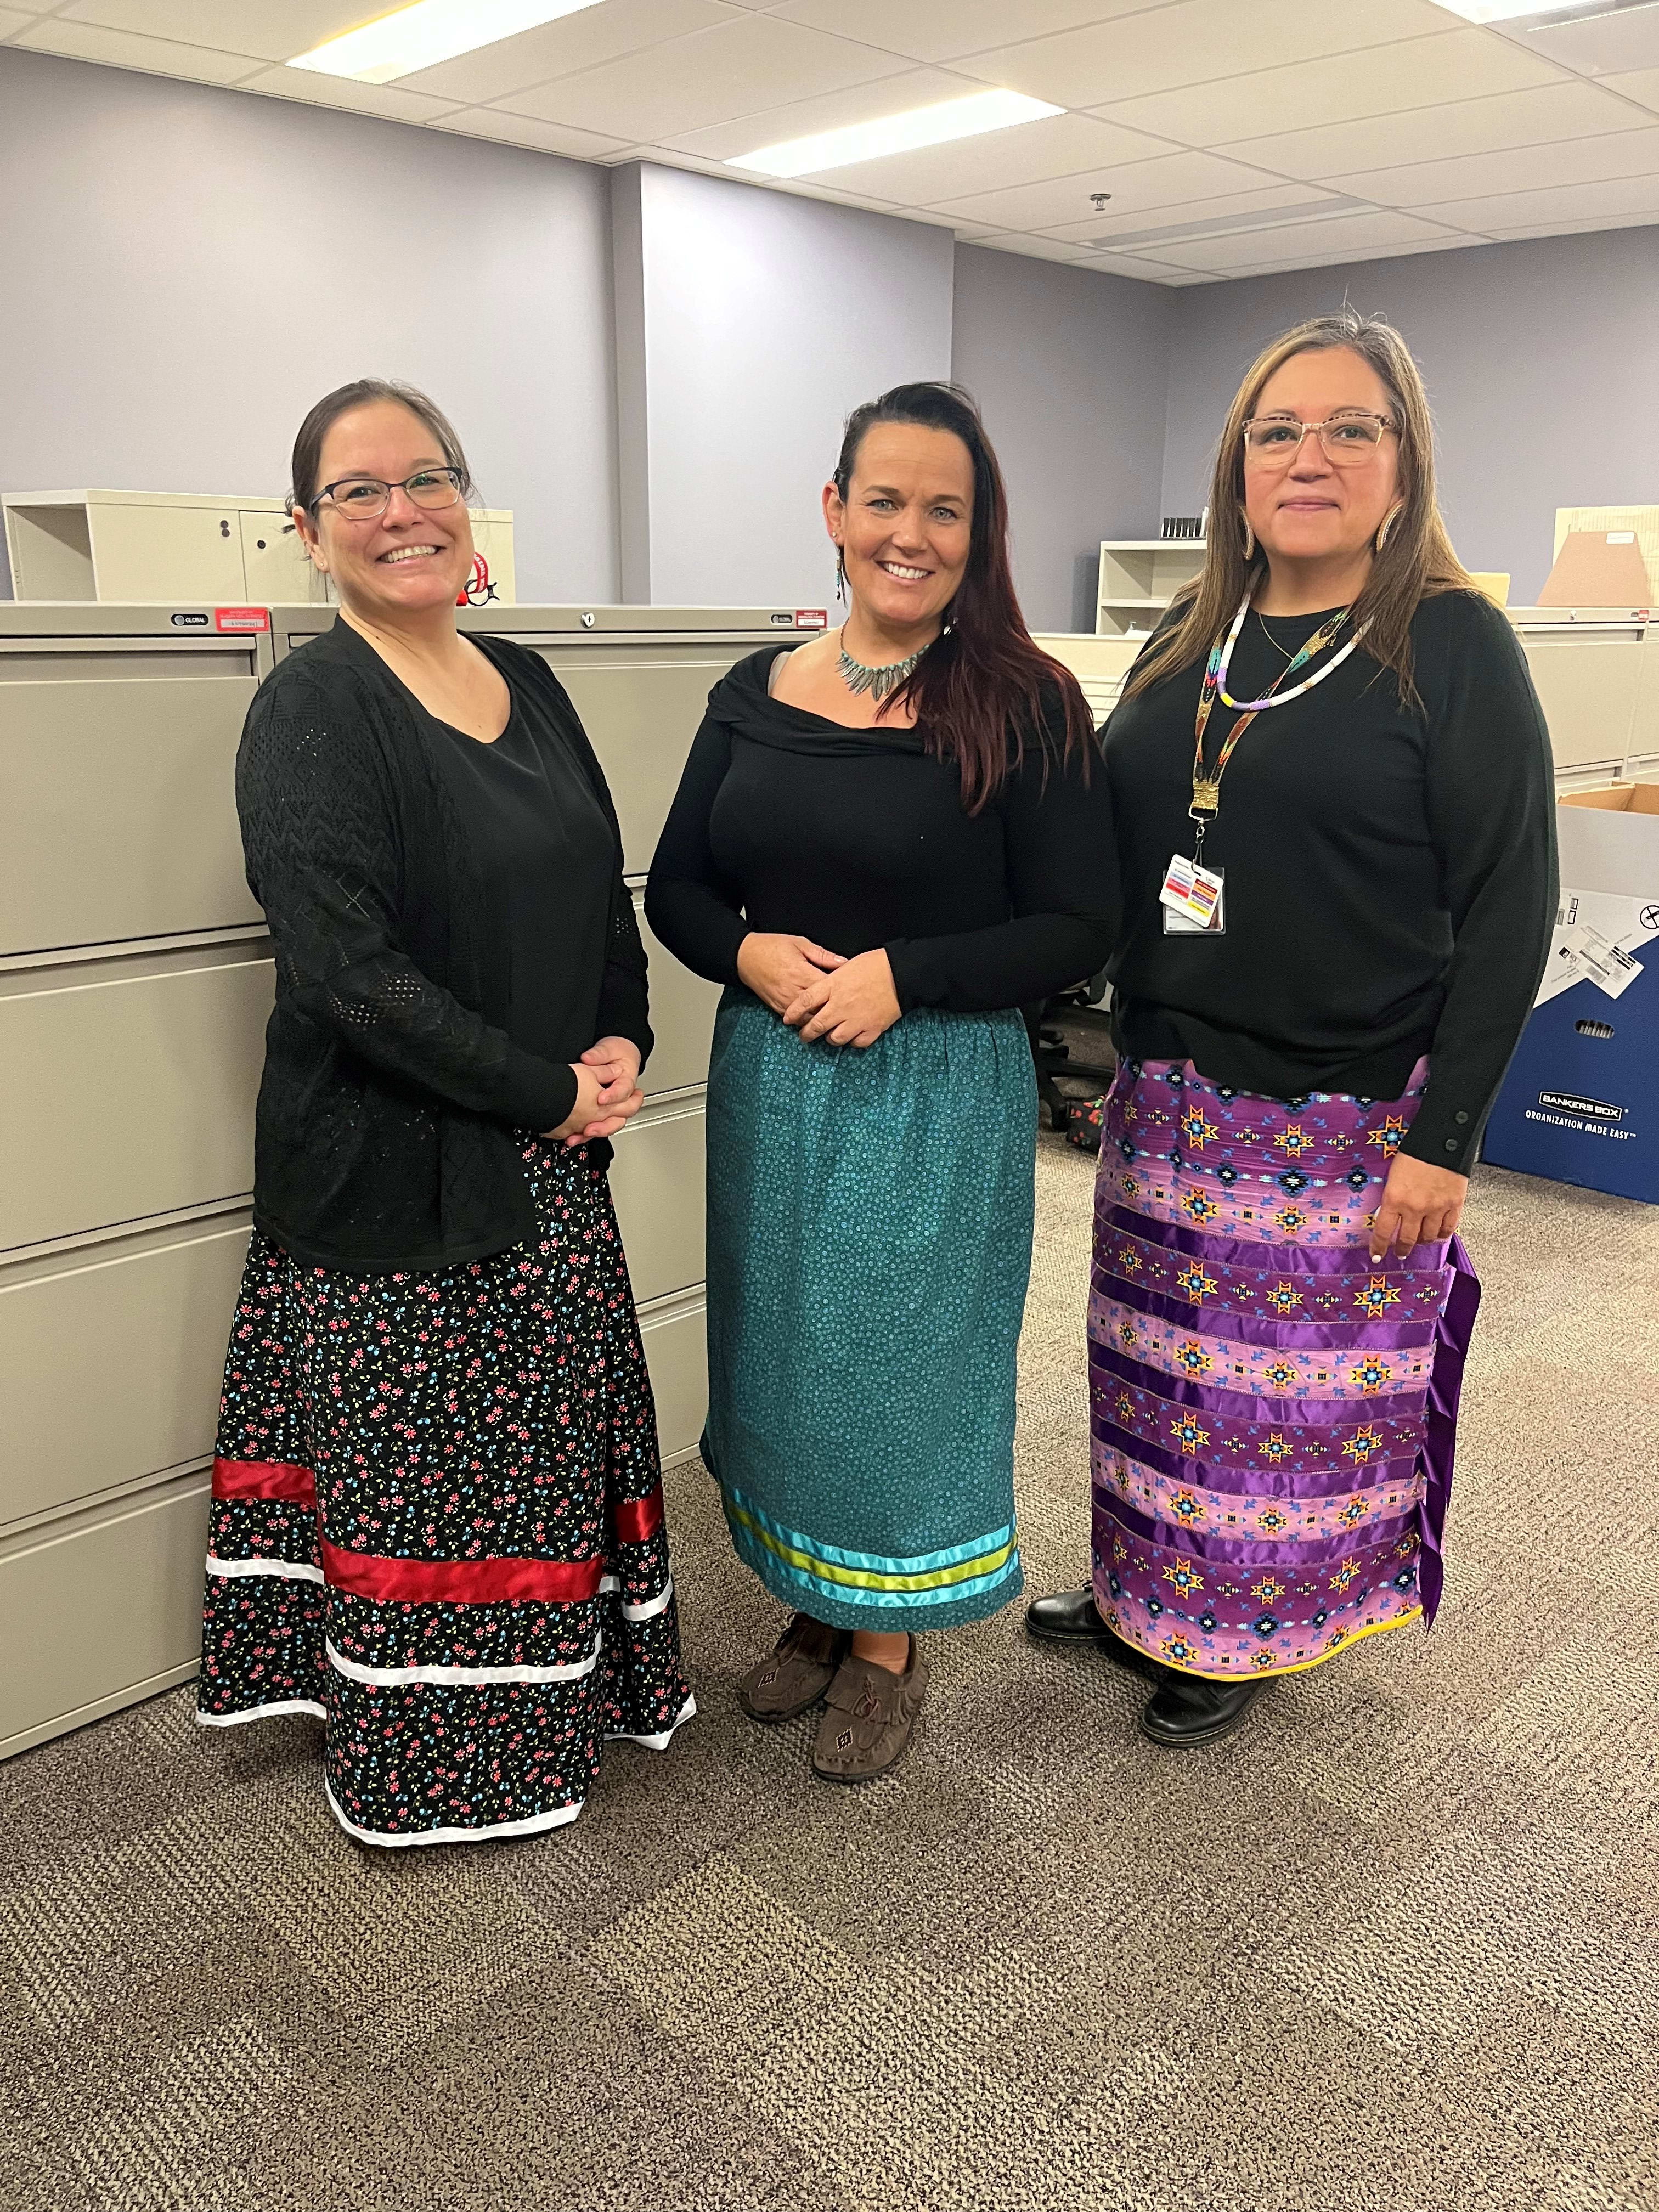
{"points": [[172, 547], [1138, 577]]}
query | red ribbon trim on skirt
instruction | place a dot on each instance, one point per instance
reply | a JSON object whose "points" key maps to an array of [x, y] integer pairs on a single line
{"points": [[638, 1518], [438, 1582], [270, 1479], [461, 1582]]}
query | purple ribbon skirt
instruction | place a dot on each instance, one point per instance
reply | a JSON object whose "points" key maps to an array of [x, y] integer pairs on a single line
{"points": [[1272, 1417]]}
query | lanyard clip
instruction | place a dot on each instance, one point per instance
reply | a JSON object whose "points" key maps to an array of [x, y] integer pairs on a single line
{"points": [[1206, 798]]}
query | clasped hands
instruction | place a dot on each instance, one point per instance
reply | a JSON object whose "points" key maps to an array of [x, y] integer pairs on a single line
{"points": [[823, 994], [608, 1094]]}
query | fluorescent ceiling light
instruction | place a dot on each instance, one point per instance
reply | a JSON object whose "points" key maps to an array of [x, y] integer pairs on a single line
{"points": [[895, 134], [1536, 14], [431, 31]]}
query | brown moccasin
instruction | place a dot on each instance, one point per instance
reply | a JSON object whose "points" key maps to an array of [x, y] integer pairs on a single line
{"points": [[869, 1718], [792, 1679]]}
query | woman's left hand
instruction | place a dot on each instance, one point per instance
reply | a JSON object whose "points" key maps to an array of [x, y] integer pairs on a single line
{"points": [[854, 1005], [616, 1062], [1421, 1204]]}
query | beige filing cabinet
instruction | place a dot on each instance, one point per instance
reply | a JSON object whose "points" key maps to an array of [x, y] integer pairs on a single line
{"points": [[1598, 674], [134, 981], [1099, 664], [144, 545], [640, 676]]}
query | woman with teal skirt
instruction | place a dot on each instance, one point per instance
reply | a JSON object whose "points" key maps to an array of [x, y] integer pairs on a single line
{"points": [[885, 842]]}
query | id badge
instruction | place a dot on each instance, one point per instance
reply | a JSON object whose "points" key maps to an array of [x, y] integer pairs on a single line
{"points": [[1193, 899]]}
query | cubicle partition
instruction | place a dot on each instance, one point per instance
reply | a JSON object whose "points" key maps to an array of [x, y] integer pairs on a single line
{"points": [[134, 983]]}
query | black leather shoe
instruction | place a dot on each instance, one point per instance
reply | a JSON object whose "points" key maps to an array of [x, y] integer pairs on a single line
{"points": [[1187, 1712], [1072, 1617]]}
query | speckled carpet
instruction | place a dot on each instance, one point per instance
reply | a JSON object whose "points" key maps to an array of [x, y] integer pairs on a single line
{"points": [[1395, 1946]]}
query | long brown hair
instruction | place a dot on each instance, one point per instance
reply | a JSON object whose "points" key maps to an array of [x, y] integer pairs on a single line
{"points": [[1416, 559], [982, 689]]}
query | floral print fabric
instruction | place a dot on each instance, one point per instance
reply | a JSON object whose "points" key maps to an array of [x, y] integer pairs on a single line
{"points": [[437, 1524]]}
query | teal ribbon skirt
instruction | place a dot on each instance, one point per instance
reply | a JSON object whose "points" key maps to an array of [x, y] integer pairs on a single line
{"points": [[869, 1243]]}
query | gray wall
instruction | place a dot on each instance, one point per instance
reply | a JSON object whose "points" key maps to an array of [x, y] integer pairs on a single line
{"points": [[1070, 369], [183, 270], [1541, 359], [748, 325]]}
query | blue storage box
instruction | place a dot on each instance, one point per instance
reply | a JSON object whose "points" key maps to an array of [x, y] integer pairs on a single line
{"points": [[1580, 1104]]}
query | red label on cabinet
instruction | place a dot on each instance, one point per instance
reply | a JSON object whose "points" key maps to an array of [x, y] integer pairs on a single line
{"points": [[241, 618], [811, 618]]}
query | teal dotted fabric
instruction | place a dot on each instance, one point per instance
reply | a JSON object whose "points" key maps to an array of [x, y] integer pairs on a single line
{"points": [[870, 1219]]}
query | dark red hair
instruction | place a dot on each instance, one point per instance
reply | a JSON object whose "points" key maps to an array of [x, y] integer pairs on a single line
{"points": [[982, 689]]}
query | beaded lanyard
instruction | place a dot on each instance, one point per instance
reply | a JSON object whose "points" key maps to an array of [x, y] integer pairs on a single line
{"points": [[1207, 789]]}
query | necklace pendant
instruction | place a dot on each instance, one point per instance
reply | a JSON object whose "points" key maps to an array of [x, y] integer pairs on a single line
{"points": [[879, 681]]}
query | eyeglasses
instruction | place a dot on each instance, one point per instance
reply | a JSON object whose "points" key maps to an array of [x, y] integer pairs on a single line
{"points": [[365, 499], [1346, 440]]}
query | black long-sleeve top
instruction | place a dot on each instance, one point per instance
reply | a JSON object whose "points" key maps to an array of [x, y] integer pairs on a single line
{"points": [[1390, 874], [451, 932], [858, 838]]}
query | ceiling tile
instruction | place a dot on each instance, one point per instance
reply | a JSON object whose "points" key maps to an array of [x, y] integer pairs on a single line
{"points": [[939, 30], [1572, 110], [389, 100], [527, 131], [269, 30], [1574, 162], [1192, 42], [752, 63], [1576, 229], [1165, 182], [1239, 207], [1037, 249], [1341, 239], [829, 111], [1056, 146], [90, 42], [1640, 85], [1384, 80], [1627, 40], [1448, 242], [11, 20], [575, 42], [1140, 267], [1612, 195]]}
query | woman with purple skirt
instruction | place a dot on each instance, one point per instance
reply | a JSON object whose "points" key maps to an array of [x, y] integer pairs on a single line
{"points": [[1332, 782]]}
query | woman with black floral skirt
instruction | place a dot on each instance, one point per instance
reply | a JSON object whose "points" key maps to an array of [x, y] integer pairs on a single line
{"points": [[437, 1516]]}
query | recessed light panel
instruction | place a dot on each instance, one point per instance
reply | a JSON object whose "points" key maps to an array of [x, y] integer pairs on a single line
{"points": [[895, 134], [431, 31], [1531, 15]]}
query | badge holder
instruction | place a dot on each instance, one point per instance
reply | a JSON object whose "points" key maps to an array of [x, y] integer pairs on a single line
{"points": [[1194, 897]]}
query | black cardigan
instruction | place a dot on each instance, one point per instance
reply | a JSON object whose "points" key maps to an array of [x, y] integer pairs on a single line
{"points": [[384, 1136]]}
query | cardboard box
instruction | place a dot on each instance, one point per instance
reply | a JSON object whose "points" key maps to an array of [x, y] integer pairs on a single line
{"points": [[1580, 1104], [1598, 569]]}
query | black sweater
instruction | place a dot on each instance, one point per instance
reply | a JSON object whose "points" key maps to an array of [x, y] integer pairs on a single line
{"points": [[787, 822], [384, 1137], [1390, 875]]}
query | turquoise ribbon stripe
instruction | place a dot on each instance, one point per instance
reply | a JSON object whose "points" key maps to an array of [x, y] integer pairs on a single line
{"points": [[866, 1578]]}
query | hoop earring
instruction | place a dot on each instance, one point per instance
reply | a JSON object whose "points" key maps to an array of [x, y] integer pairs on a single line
{"points": [[1388, 521], [1249, 540]]}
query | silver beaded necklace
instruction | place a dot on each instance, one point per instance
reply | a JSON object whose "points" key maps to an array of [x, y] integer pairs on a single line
{"points": [[879, 682]]}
